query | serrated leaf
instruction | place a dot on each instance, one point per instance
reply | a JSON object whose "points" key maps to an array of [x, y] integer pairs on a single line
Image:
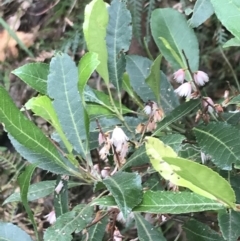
{"points": [[202, 10], [182, 172], [174, 141], [35, 75], [67, 223], [96, 15], [67, 103], [171, 26], [200, 232], [229, 224], [176, 114], [233, 42], [10, 232], [30, 139], [126, 188], [228, 12], [153, 79], [147, 231], [24, 182], [222, 142], [119, 34]]}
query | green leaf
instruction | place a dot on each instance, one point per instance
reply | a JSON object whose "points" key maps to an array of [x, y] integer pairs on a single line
{"points": [[222, 142], [200, 232], [126, 188], [228, 12], [147, 231], [96, 232], [31, 139], [94, 29], [174, 141], [234, 100], [202, 10], [24, 182], [182, 172], [67, 103], [35, 75], [153, 79], [69, 222], [172, 34], [233, 42], [87, 64], [229, 224], [235, 180], [119, 35], [176, 114], [36, 191], [10, 232]]}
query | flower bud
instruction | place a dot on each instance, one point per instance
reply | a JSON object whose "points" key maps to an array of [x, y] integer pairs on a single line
{"points": [[118, 138], [59, 187], [51, 217]]}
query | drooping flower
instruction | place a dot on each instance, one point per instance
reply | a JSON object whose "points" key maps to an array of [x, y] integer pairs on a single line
{"points": [[147, 109], [208, 104], [119, 138], [200, 78], [59, 187], [104, 152], [179, 76], [105, 172], [184, 90], [51, 217]]}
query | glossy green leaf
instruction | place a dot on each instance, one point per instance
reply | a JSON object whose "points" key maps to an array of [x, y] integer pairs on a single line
{"points": [[172, 34], [177, 114], [233, 42], [201, 232], [96, 15], [87, 64], [153, 79], [228, 12], [37, 190], [222, 142], [10, 232], [186, 173], [147, 231], [119, 34], [126, 188], [229, 224], [67, 103], [69, 222], [24, 183], [202, 10], [35, 75], [31, 139], [174, 141]]}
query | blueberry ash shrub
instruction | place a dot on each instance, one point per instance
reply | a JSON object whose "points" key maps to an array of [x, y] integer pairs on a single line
{"points": [[161, 163]]}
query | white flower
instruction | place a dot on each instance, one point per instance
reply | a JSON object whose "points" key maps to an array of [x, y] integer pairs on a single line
{"points": [[51, 217], [118, 138], [208, 103], [179, 76], [101, 139], [184, 90], [200, 78], [59, 187], [105, 172], [147, 109], [205, 157], [104, 152]]}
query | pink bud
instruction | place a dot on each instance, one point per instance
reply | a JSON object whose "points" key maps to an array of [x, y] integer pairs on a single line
{"points": [[59, 187], [51, 217], [184, 90], [179, 76], [208, 103], [200, 78]]}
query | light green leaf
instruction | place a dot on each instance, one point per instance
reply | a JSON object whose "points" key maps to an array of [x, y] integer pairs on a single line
{"points": [[10, 232], [126, 188], [233, 42], [35, 75], [234, 100], [200, 232], [202, 10], [87, 64], [147, 231], [174, 141], [228, 12], [176, 114], [69, 222], [119, 34], [171, 27], [229, 224], [31, 139], [24, 182], [222, 142], [67, 103], [186, 173], [94, 29], [153, 79]]}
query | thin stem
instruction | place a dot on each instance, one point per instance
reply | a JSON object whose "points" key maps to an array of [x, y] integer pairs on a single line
{"points": [[231, 68], [147, 49]]}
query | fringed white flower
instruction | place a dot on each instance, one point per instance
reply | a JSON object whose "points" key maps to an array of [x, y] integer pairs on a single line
{"points": [[184, 90], [179, 76], [119, 138], [200, 78]]}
